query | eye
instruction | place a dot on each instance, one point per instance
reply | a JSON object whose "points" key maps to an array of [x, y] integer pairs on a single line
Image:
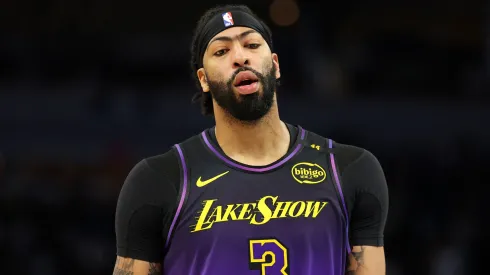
{"points": [[220, 52], [253, 46]]}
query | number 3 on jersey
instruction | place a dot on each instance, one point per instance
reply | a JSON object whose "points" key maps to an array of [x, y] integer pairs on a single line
{"points": [[278, 261]]}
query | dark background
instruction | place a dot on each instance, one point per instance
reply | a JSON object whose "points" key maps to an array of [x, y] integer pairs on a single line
{"points": [[89, 88]]}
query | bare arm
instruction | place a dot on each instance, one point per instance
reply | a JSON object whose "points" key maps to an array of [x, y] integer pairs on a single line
{"points": [[366, 260], [128, 266]]}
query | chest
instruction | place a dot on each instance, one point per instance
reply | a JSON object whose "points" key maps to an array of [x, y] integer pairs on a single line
{"points": [[299, 195]]}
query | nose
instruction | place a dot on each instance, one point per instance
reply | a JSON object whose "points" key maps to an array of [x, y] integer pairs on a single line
{"points": [[240, 58]]}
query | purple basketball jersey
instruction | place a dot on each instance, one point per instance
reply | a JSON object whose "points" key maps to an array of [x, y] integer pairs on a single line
{"points": [[232, 219]]}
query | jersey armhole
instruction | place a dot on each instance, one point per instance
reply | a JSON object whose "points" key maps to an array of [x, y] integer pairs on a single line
{"points": [[182, 194], [338, 187]]}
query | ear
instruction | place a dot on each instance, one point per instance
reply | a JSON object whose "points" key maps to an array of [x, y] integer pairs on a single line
{"points": [[275, 62], [201, 75]]}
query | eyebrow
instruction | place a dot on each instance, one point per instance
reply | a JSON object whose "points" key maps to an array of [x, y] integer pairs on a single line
{"points": [[229, 39]]}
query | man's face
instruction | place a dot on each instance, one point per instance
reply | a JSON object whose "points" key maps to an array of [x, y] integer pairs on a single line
{"points": [[240, 72]]}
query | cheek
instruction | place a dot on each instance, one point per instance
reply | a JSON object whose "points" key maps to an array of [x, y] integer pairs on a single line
{"points": [[213, 76], [217, 73], [267, 62], [266, 67]]}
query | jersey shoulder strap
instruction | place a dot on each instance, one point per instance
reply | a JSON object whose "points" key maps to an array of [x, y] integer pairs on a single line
{"points": [[338, 185], [327, 146], [183, 151], [317, 142]]}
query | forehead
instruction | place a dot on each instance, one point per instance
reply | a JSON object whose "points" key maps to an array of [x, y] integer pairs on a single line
{"points": [[234, 33]]}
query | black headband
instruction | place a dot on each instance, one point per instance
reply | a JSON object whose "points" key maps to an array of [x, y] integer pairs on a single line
{"points": [[223, 21]]}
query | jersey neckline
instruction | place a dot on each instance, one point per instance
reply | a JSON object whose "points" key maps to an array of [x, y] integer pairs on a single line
{"points": [[293, 151]]}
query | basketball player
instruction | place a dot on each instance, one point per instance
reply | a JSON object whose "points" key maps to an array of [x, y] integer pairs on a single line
{"points": [[252, 195]]}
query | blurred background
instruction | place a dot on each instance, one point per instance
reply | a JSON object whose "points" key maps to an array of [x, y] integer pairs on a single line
{"points": [[89, 88]]}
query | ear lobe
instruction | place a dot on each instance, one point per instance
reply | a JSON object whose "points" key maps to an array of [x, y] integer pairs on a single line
{"points": [[275, 62], [203, 80]]}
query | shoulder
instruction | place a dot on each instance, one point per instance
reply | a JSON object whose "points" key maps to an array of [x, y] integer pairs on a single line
{"points": [[349, 159], [158, 173], [360, 171], [164, 167], [345, 154], [348, 156]]}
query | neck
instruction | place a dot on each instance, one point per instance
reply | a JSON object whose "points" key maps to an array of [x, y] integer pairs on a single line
{"points": [[253, 143]]}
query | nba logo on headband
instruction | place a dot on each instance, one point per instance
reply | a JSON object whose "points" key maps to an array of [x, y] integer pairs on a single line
{"points": [[227, 19]]}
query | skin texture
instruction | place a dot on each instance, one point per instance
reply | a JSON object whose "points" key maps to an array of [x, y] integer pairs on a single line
{"points": [[366, 260], [128, 266]]}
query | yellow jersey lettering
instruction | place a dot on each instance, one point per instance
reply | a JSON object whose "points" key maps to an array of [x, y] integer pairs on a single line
{"points": [[314, 207], [283, 208], [264, 210], [301, 205], [247, 210], [216, 215], [230, 212], [259, 213], [202, 224]]}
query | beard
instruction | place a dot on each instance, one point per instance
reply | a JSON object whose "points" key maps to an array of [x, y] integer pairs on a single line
{"points": [[246, 108]]}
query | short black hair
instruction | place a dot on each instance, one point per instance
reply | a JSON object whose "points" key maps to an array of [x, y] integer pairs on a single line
{"points": [[205, 98]]}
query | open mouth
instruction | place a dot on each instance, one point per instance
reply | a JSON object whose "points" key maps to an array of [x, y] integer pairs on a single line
{"points": [[245, 78], [246, 82]]}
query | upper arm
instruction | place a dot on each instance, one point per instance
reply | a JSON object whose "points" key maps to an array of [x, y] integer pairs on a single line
{"points": [[366, 192], [366, 195], [129, 266], [145, 209]]}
